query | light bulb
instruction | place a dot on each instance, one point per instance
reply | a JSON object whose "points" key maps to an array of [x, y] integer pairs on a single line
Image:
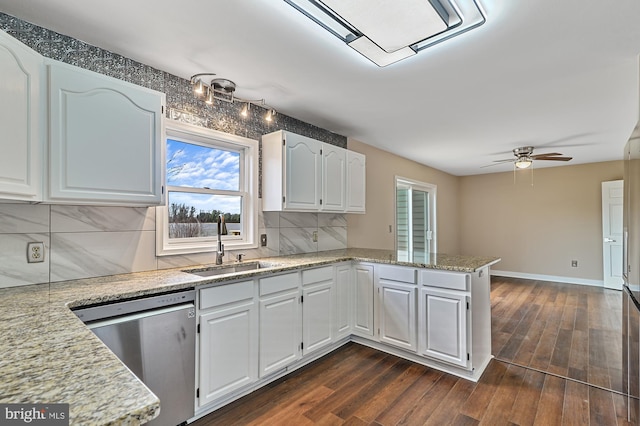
{"points": [[523, 163], [209, 100], [245, 110], [198, 87], [270, 114]]}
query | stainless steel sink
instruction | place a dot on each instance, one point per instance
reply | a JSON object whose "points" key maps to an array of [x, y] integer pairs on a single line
{"points": [[229, 269]]}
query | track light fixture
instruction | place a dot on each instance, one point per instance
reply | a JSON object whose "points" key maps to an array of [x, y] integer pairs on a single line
{"points": [[224, 90]]}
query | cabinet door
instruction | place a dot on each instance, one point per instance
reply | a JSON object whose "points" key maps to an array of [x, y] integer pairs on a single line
{"points": [[22, 100], [363, 301], [303, 173], [343, 301], [317, 316], [334, 178], [228, 351], [356, 182], [105, 139], [443, 326], [280, 333], [397, 314]]}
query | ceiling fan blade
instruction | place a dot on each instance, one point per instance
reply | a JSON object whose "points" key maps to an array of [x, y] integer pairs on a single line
{"points": [[545, 155], [554, 158], [497, 163], [509, 160]]}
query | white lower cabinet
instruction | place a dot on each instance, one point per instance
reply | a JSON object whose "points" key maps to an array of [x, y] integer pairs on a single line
{"points": [[343, 295], [317, 309], [363, 300], [397, 317], [280, 324], [443, 326], [254, 331], [279, 332], [228, 324]]}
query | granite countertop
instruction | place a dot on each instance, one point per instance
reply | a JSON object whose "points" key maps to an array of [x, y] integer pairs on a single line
{"points": [[48, 355]]}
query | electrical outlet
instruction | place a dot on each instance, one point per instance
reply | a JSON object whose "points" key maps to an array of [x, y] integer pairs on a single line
{"points": [[574, 263], [263, 240], [315, 236], [35, 252]]}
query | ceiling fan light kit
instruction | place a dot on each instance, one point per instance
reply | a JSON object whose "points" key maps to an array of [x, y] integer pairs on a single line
{"points": [[523, 163], [524, 157]]}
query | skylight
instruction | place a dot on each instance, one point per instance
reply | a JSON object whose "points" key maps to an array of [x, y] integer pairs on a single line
{"points": [[386, 31]]}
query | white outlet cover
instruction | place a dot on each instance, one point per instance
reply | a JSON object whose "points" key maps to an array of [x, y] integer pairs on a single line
{"points": [[35, 252]]}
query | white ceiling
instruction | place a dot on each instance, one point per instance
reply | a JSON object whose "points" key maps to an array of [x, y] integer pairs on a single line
{"points": [[561, 75]]}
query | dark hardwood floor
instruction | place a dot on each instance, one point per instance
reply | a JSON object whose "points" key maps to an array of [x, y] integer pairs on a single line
{"points": [[561, 329], [570, 330]]}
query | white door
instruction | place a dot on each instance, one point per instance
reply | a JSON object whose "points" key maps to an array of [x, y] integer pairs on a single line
{"points": [[105, 139], [612, 197], [415, 220], [21, 120], [363, 301], [280, 332], [398, 314], [443, 326], [303, 164], [334, 178], [343, 301], [317, 315], [228, 351], [356, 182]]}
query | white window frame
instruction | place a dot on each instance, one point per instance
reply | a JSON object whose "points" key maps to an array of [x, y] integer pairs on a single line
{"points": [[432, 190], [248, 189]]}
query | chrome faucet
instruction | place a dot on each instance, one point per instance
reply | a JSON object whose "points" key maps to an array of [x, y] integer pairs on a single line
{"points": [[221, 231]]}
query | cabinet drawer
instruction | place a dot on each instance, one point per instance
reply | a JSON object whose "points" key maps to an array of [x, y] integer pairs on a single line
{"points": [[397, 273], [317, 275], [278, 283], [451, 280], [224, 294]]}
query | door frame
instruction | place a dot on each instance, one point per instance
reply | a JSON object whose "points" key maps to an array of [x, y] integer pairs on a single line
{"points": [[430, 189], [606, 265]]}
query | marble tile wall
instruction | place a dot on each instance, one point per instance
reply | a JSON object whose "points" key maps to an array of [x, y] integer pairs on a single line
{"points": [[85, 241]]}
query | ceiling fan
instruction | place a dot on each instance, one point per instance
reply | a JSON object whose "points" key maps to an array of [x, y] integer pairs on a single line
{"points": [[524, 157]]}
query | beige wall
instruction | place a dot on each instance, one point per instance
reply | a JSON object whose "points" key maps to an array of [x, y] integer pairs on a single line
{"points": [[538, 229], [371, 230]]}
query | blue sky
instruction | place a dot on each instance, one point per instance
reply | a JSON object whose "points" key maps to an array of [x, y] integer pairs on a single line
{"points": [[197, 166]]}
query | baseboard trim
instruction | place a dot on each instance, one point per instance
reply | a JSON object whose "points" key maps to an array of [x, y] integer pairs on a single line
{"points": [[539, 277]]}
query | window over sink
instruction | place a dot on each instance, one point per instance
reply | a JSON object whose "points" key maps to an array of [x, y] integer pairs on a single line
{"points": [[208, 173]]}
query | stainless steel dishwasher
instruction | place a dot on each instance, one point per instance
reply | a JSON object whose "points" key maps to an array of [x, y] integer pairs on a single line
{"points": [[155, 338]]}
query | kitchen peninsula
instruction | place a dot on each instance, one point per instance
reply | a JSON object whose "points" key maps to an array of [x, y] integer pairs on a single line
{"points": [[49, 355]]}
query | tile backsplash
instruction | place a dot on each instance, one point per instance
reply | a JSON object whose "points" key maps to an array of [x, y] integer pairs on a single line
{"points": [[86, 241]]}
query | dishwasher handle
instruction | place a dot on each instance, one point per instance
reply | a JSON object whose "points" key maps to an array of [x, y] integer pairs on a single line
{"points": [[191, 313], [134, 306]]}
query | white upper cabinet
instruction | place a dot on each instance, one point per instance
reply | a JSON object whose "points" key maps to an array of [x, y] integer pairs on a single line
{"points": [[356, 181], [334, 178], [21, 120], [303, 174], [105, 141], [291, 172], [303, 161]]}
